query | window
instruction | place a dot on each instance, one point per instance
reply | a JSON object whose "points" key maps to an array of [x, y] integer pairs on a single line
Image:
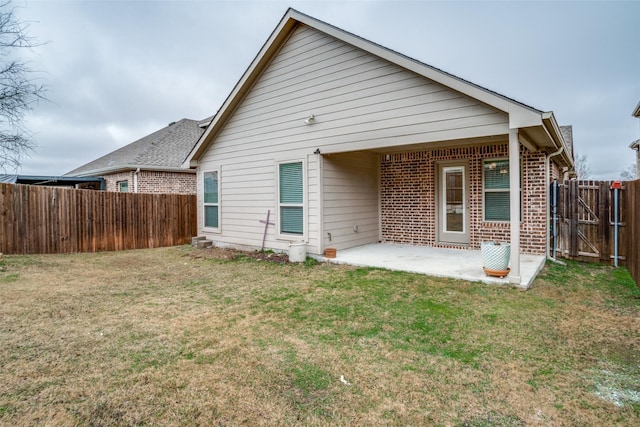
{"points": [[123, 186], [496, 190], [211, 200], [291, 198]]}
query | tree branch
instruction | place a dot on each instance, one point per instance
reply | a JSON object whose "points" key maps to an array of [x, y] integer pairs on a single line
{"points": [[18, 91]]}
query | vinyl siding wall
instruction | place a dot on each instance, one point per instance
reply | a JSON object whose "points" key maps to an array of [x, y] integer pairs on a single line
{"points": [[350, 191], [359, 101], [247, 193]]}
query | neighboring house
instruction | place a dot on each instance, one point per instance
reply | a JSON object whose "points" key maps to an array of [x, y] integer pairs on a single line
{"points": [[152, 164], [348, 143], [86, 183], [635, 145]]}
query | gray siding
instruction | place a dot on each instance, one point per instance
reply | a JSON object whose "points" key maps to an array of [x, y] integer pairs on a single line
{"points": [[350, 198], [360, 102]]}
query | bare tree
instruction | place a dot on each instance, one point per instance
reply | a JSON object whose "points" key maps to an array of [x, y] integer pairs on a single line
{"points": [[629, 174], [19, 90], [581, 166]]}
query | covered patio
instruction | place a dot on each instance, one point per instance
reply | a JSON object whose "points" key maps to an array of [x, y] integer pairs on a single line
{"points": [[453, 263]]}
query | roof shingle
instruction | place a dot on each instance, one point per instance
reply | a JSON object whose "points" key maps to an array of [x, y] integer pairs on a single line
{"points": [[164, 149]]}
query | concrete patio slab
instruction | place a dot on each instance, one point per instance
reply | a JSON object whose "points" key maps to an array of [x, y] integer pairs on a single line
{"points": [[454, 263]]}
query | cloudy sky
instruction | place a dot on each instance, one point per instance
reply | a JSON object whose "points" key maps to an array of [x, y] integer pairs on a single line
{"points": [[119, 70]]}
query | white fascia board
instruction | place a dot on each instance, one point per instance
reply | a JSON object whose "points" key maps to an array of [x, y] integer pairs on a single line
{"points": [[524, 118], [553, 130]]}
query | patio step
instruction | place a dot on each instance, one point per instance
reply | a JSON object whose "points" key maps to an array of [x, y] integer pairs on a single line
{"points": [[196, 239], [201, 244]]}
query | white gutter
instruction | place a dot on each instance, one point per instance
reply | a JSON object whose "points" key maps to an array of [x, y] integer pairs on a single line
{"points": [[550, 123], [110, 170]]}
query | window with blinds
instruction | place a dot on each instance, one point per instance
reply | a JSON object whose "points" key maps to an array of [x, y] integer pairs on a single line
{"points": [[496, 190], [211, 200], [291, 198]]}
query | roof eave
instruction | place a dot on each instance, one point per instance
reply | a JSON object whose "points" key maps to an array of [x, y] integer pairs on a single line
{"points": [[636, 112], [125, 168], [520, 115], [553, 130]]}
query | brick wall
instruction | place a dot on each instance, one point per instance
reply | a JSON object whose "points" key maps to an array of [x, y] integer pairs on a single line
{"points": [[555, 172], [408, 197], [154, 182], [111, 181]]}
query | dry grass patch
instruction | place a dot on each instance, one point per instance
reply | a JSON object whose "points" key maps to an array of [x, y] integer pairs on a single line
{"points": [[180, 336]]}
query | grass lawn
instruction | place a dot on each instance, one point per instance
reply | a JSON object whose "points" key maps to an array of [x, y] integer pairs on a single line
{"points": [[178, 336]]}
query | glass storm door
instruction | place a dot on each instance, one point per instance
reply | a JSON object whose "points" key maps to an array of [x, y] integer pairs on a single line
{"points": [[453, 209]]}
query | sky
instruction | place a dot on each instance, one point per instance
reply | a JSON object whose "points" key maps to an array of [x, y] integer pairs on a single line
{"points": [[115, 71]]}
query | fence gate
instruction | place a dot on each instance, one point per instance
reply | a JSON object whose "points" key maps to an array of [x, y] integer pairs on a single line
{"points": [[581, 228]]}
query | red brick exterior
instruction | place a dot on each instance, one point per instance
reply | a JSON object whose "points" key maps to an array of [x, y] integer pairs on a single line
{"points": [[154, 182], [408, 197], [556, 172]]}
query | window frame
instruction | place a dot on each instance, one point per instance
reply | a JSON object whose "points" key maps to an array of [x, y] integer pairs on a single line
{"points": [[280, 235], [465, 197], [507, 191], [205, 204], [126, 181]]}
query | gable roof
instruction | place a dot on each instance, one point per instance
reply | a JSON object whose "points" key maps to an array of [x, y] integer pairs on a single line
{"points": [[545, 129], [636, 112], [163, 150]]}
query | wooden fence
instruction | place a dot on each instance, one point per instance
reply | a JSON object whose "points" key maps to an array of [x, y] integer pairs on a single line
{"points": [[632, 207], [585, 223], [48, 220]]}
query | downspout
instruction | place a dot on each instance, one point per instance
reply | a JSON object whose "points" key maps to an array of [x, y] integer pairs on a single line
{"points": [[548, 176], [135, 180]]}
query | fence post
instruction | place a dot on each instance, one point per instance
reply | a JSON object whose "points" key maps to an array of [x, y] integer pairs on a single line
{"points": [[573, 218], [632, 229], [616, 186], [604, 202]]}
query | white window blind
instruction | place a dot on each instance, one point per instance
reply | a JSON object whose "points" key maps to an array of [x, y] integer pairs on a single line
{"points": [[496, 190], [211, 200], [291, 193]]}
